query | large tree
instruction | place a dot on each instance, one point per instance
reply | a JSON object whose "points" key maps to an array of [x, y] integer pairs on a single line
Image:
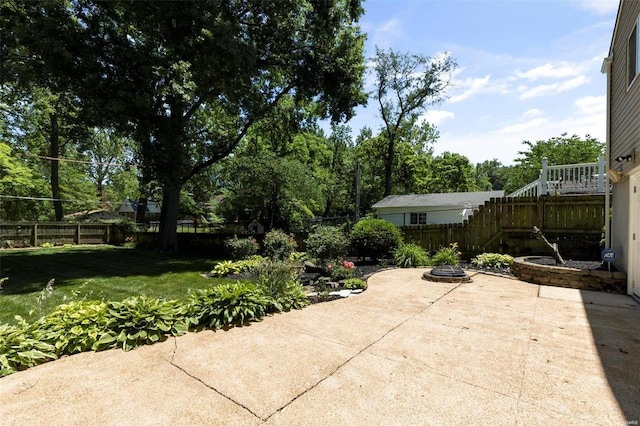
{"points": [[406, 85], [188, 79]]}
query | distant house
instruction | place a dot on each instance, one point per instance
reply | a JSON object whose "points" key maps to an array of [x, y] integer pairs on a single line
{"points": [[430, 209], [129, 209], [622, 67]]}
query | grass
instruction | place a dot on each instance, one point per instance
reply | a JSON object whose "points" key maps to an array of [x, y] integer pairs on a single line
{"points": [[93, 273]]}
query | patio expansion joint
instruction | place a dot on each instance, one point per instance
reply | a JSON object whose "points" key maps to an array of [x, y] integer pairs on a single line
{"points": [[339, 367], [173, 354]]}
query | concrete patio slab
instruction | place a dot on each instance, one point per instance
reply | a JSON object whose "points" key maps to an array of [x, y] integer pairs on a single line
{"points": [[406, 351], [588, 297]]}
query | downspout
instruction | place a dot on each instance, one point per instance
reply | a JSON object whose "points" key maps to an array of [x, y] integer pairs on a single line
{"points": [[606, 69]]}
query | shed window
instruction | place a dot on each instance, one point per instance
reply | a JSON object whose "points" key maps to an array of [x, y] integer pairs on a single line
{"points": [[419, 218], [632, 55]]}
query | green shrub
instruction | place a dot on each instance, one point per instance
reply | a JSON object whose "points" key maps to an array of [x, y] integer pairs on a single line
{"points": [[492, 260], [252, 264], [142, 320], [298, 257], [341, 269], [354, 284], [227, 305], [446, 256], [279, 281], [241, 248], [224, 268], [278, 245], [376, 238], [76, 326], [411, 256], [327, 242], [126, 226], [23, 346]]}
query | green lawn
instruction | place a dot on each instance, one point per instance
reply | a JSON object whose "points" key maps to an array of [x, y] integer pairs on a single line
{"points": [[93, 273]]}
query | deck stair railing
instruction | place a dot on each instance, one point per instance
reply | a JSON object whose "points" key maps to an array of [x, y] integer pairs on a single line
{"points": [[585, 178]]}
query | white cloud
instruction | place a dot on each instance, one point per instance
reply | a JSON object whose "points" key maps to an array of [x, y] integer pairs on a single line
{"points": [[554, 88], [592, 104], [548, 70], [387, 32], [597, 7], [526, 125], [436, 117], [534, 112], [470, 87]]}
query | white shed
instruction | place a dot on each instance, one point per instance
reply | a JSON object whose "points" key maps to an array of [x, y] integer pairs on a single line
{"points": [[431, 209]]}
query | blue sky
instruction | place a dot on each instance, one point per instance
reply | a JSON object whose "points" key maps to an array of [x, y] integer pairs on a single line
{"points": [[527, 70]]}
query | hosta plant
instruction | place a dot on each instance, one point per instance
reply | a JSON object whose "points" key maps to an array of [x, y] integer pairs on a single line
{"points": [[227, 305], [76, 326], [492, 260], [354, 284], [224, 268], [23, 346], [142, 320]]}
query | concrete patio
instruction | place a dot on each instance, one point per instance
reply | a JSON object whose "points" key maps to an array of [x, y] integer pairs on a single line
{"points": [[406, 351]]}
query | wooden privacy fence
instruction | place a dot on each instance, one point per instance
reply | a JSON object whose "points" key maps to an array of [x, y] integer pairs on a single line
{"points": [[30, 234], [505, 225]]}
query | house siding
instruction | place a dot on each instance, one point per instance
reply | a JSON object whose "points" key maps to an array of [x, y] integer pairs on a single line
{"points": [[619, 234], [401, 216], [625, 107]]}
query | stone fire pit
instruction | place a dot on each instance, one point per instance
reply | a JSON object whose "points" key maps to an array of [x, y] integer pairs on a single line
{"points": [[446, 274]]}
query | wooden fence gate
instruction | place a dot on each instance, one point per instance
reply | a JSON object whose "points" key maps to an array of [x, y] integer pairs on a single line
{"points": [[505, 225]]}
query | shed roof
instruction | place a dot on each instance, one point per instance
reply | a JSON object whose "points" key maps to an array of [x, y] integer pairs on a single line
{"points": [[446, 199]]}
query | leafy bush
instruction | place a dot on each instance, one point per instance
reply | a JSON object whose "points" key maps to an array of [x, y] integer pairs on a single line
{"points": [[410, 256], [327, 242], [142, 320], [23, 346], [492, 260], [126, 225], [446, 256], [224, 268], [341, 270], [354, 284], [279, 281], [241, 248], [298, 257], [375, 238], [76, 326], [278, 245], [227, 305], [252, 264]]}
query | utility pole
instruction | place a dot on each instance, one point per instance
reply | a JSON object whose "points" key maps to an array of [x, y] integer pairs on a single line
{"points": [[358, 172]]}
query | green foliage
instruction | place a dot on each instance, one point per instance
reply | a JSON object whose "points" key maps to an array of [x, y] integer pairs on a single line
{"points": [[126, 225], [327, 242], [446, 256], [354, 284], [252, 264], [450, 172], [340, 270], [142, 320], [227, 305], [492, 260], [410, 256], [375, 237], [279, 281], [224, 268], [76, 326], [298, 257], [278, 245], [23, 346], [242, 248]]}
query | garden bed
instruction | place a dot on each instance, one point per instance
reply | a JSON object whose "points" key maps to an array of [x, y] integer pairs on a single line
{"points": [[586, 276]]}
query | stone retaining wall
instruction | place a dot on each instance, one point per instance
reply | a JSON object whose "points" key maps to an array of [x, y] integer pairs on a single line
{"points": [[611, 282]]}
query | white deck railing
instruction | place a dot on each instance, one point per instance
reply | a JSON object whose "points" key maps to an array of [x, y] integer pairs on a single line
{"points": [[586, 178]]}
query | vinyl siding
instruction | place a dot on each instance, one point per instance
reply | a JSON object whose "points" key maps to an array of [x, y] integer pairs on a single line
{"points": [[625, 99]]}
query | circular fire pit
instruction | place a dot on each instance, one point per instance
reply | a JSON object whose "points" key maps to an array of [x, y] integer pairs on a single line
{"points": [[446, 274]]}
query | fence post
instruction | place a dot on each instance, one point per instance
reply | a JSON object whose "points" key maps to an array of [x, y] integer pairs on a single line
{"points": [[601, 174], [35, 235], [543, 180], [78, 234]]}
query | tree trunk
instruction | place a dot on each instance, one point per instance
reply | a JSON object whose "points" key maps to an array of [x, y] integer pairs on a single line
{"points": [[54, 148], [388, 167], [168, 219]]}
